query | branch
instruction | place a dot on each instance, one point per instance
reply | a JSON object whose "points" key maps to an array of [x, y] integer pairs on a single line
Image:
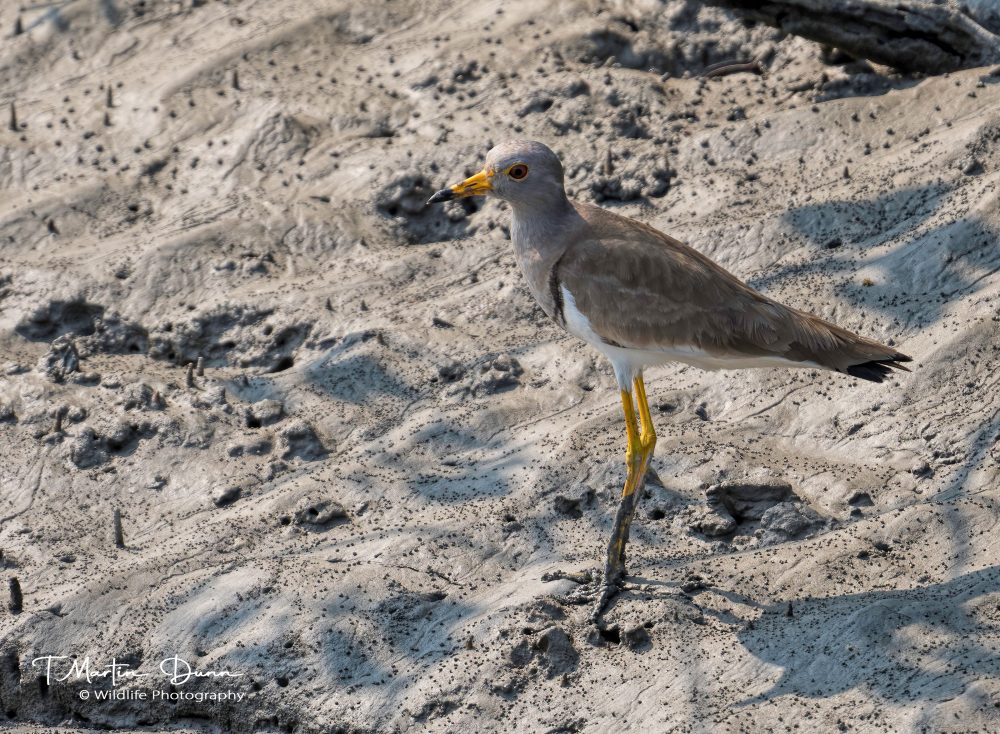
{"points": [[911, 36]]}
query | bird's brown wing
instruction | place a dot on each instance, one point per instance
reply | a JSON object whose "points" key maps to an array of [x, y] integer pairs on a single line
{"points": [[641, 289]]}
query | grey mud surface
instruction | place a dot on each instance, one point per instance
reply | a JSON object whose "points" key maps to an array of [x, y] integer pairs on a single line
{"points": [[354, 506]]}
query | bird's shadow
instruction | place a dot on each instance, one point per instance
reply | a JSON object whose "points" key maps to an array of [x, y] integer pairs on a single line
{"points": [[924, 263], [926, 643], [53, 14], [923, 644]]}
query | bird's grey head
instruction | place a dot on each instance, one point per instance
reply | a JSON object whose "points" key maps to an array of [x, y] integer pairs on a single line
{"points": [[522, 172]]}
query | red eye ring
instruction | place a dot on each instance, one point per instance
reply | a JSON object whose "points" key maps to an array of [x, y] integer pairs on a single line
{"points": [[518, 171]]}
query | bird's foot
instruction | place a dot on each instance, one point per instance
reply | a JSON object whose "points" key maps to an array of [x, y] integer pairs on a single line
{"points": [[608, 589], [594, 587], [586, 582], [579, 577]]}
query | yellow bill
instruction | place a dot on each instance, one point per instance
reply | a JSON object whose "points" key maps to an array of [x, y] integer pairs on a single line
{"points": [[477, 185]]}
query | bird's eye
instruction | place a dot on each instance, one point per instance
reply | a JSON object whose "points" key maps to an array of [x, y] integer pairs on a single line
{"points": [[517, 171]]}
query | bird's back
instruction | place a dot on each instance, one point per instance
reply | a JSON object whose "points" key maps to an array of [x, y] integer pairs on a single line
{"points": [[641, 289]]}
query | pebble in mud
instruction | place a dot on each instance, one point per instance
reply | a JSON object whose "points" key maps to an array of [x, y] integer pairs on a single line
{"points": [[573, 506], [87, 449], [7, 414], [299, 440], [223, 496], [715, 521], [258, 446], [553, 649], [488, 377], [264, 413], [558, 651], [140, 396], [319, 513], [786, 520], [61, 360], [637, 638]]}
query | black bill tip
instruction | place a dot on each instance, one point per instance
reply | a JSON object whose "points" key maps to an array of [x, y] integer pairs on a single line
{"points": [[442, 195]]}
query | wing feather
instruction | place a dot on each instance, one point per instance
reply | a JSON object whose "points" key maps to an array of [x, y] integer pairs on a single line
{"points": [[642, 289]]}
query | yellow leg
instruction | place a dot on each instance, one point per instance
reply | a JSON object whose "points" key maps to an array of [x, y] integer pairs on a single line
{"points": [[641, 442], [633, 451], [639, 454], [647, 435]]}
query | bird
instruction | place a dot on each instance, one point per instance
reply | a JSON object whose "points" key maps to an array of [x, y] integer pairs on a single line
{"points": [[642, 298]]}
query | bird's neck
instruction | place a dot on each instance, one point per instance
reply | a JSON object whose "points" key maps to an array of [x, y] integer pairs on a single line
{"points": [[540, 232], [541, 220]]}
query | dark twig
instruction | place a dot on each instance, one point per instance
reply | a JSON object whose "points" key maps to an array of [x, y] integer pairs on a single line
{"points": [[725, 68], [119, 535], [16, 598]]}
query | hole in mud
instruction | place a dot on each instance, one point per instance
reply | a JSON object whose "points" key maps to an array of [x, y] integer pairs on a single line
{"points": [[281, 681], [404, 201], [860, 499], [81, 316], [611, 635], [253, 422], [124, 440], [60, 317], [43, 686], [657, 514], [283, 364], [285, 520]]}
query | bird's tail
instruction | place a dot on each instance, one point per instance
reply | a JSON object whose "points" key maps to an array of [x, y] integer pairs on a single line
{"points": [[838, 349], [876, 370]]}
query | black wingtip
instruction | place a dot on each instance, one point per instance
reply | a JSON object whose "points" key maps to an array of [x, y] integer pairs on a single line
{"points": [[442, 195], [879, 369]]}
